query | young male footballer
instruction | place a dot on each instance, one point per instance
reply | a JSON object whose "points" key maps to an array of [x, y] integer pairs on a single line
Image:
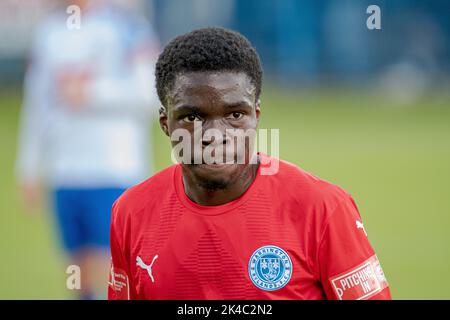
{"points": [[232, 229]]}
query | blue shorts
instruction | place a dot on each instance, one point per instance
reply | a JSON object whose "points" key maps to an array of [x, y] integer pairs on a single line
{"points": [[84, 216]]}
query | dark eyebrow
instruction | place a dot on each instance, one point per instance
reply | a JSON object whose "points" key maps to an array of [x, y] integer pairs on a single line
{"points": [[187, 109], [196, 110], [237, 105]]}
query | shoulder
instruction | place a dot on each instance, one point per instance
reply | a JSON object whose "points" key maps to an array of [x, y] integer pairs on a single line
{"points": [[307, 190], [49, 30], [51, 22], [144, 194]]}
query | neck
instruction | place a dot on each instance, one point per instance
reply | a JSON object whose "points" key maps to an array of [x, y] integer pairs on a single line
{"points": [[234, 190]]}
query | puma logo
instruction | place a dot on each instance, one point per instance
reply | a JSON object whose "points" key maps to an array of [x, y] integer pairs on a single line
{"points": [[141, 264], [360, 225]]}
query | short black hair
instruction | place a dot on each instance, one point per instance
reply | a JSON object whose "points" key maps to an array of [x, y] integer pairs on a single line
{"points": [[207, 49]]}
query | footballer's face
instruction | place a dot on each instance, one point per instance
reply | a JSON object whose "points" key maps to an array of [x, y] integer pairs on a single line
{"points": [[216, 102]]}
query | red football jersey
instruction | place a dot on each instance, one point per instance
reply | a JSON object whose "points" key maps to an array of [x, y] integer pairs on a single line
{"points": [[291, 235]]}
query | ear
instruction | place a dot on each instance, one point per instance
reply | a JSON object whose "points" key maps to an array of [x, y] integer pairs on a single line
{"points": [[258, 109], [163, 121]]}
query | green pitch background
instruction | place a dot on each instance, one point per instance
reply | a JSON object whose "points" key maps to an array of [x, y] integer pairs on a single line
{"points": [[394, 160]]}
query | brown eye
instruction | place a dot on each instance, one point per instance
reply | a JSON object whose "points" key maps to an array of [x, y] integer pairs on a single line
{"points": [[191, 118], [236, 115]]}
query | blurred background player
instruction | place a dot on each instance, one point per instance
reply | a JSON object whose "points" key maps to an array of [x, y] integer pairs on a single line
{"points": [[88, 98]]}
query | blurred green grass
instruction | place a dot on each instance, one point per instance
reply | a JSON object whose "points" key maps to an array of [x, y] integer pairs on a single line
{"points": [[394, 160]]}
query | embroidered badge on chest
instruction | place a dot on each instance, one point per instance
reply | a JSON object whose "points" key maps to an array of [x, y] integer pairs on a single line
{"points": [[270, 268]]}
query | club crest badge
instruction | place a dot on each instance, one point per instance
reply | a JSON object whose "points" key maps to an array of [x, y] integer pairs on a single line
{"points": [[270, 268]]}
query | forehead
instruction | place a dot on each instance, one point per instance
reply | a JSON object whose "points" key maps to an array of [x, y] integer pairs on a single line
{"points": [[225, 86]]}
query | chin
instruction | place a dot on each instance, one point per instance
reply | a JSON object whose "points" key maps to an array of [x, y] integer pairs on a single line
{"points": [[215, 177]]}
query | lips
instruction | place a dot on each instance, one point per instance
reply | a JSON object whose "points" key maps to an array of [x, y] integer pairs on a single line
{"points": [[215, 165], [214, 162]]}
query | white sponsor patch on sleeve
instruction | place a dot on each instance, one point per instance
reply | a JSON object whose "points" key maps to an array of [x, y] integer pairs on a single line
{"points": [[118, 282], [361, 282]]}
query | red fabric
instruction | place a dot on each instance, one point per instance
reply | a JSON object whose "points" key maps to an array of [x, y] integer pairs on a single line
{"points": [[189, 251]]}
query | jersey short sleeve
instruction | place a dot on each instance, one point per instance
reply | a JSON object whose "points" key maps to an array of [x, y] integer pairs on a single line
{"points": [[119, 287], [348, 266]]}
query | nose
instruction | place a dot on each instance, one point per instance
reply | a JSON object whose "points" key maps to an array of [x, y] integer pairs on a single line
{"points": [[213, 139], [214, 133]]}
